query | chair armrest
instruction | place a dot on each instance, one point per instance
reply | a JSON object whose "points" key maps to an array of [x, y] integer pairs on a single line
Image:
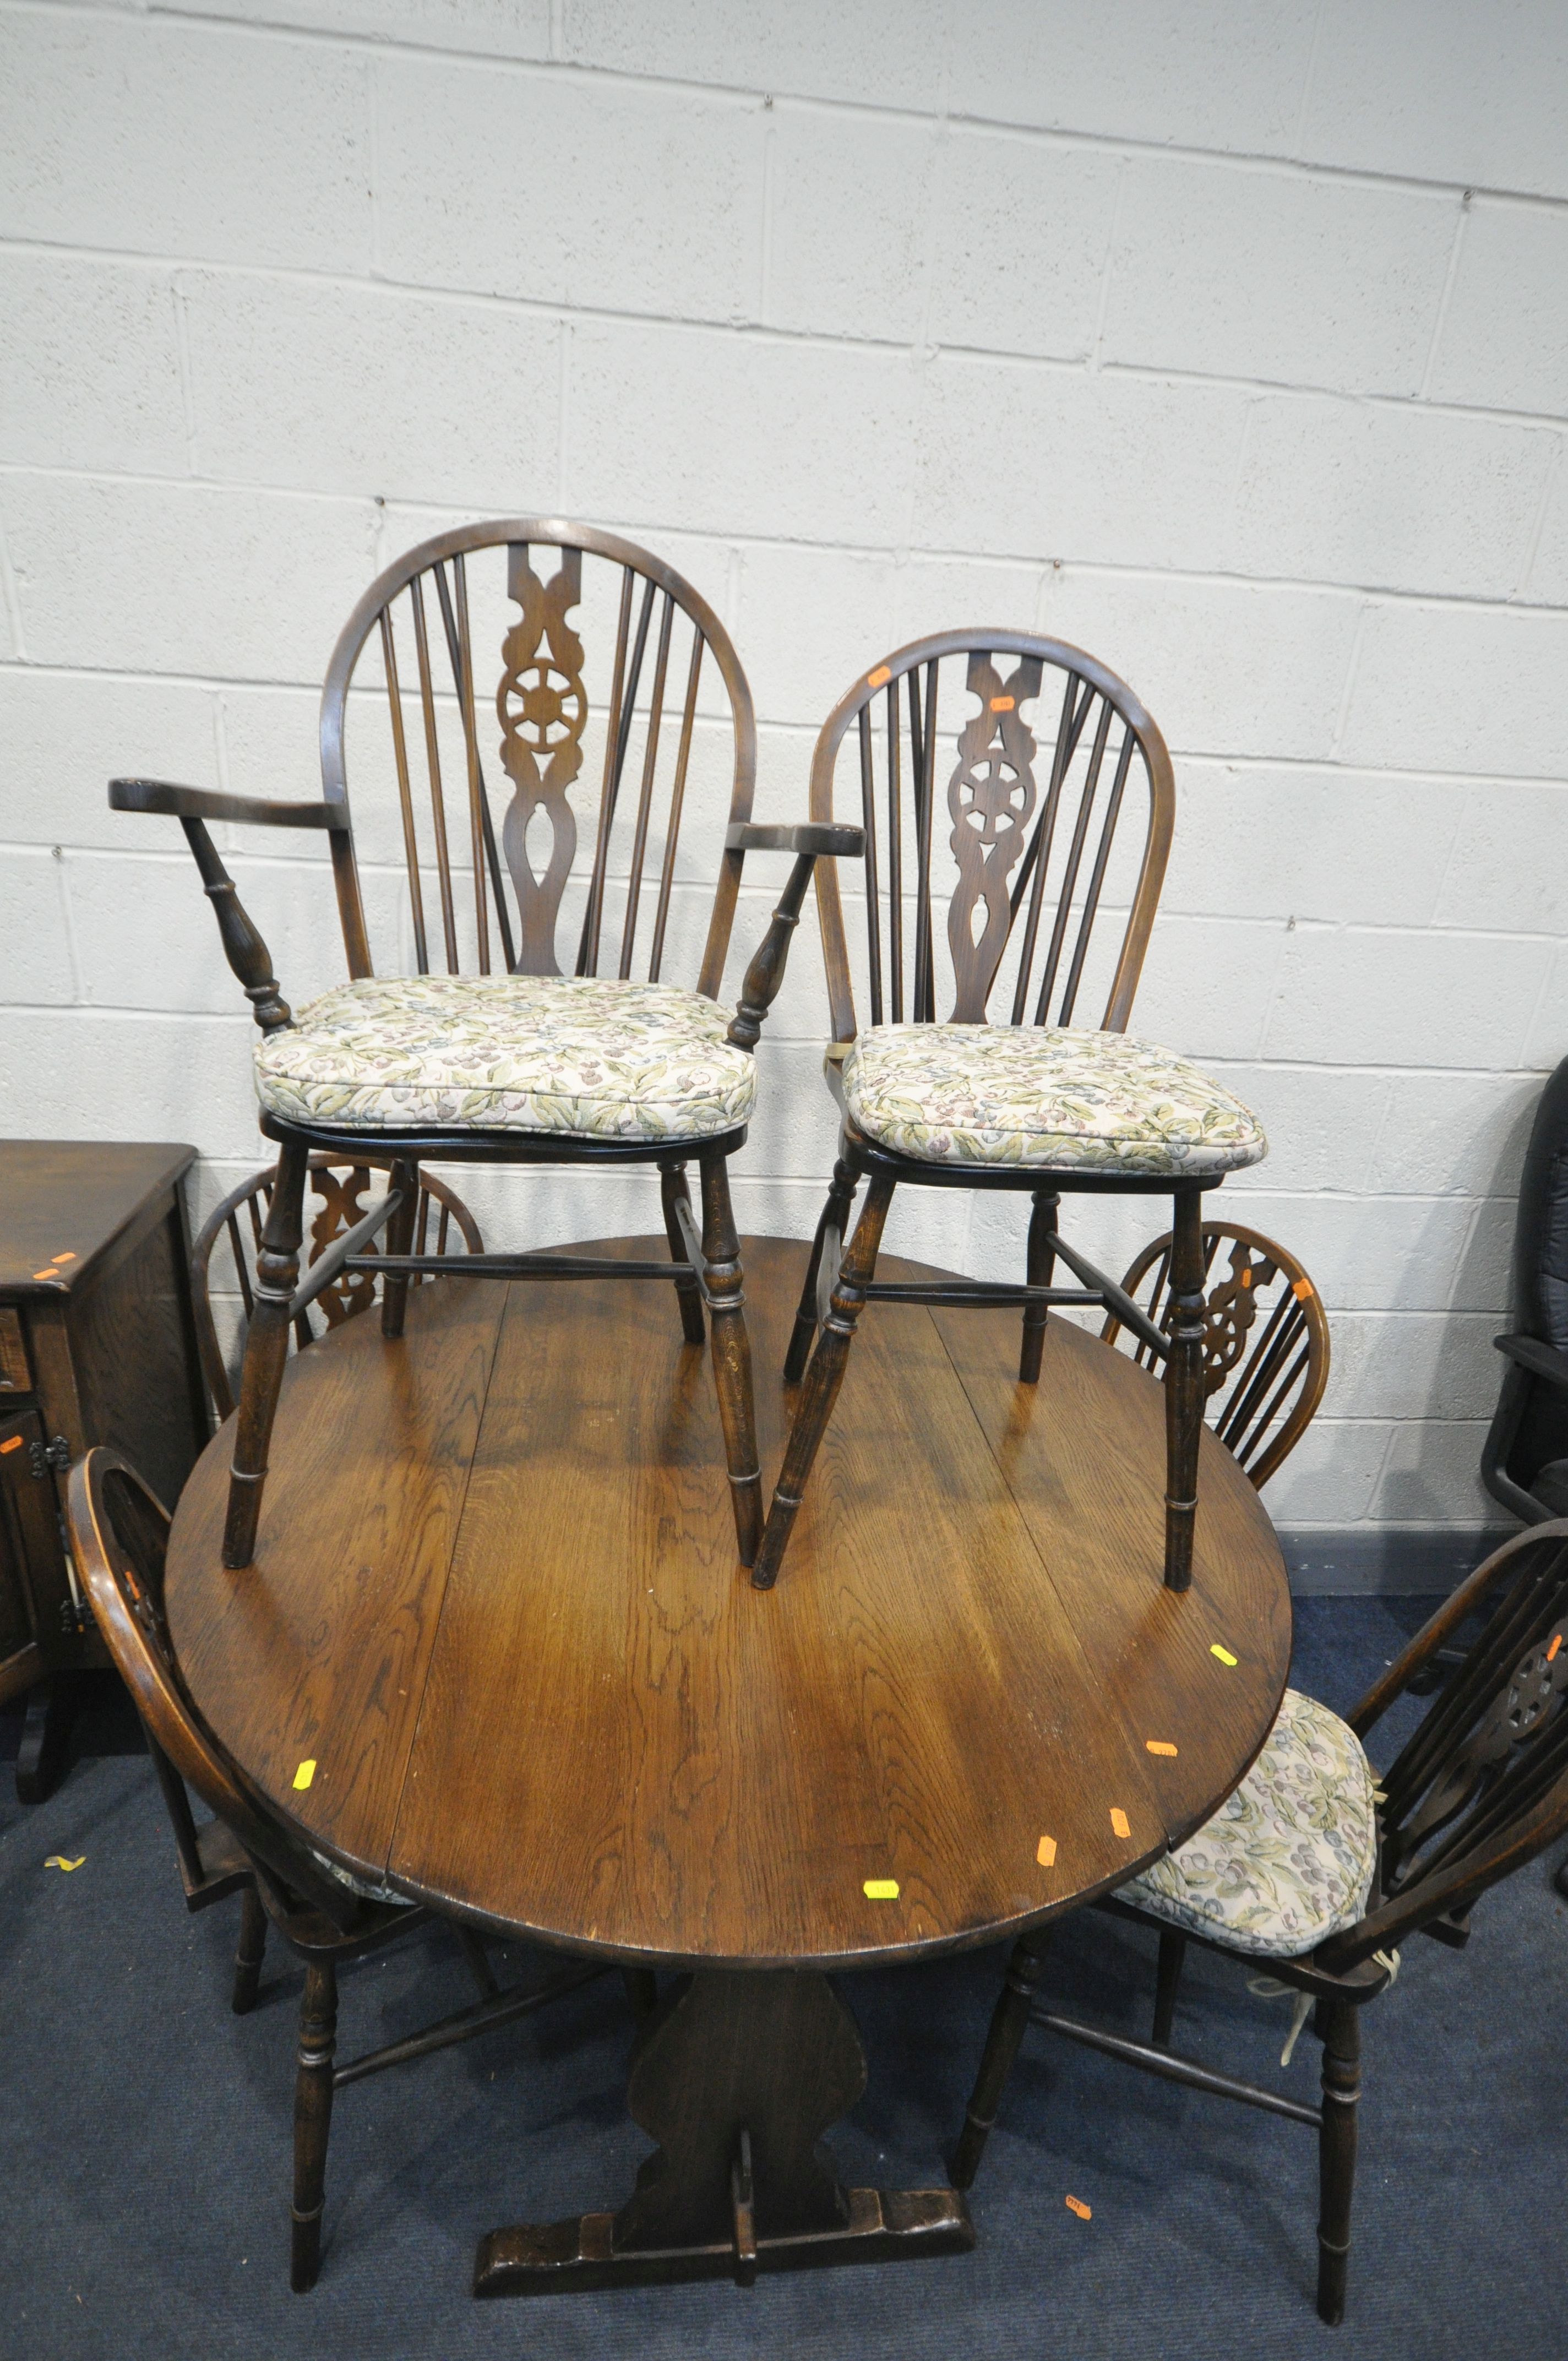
{"points": [[811, 842], [244, 949], [814, 839], [1540, 1360], [203, 802]]}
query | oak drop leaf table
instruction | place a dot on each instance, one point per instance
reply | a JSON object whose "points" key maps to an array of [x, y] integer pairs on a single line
{"points": [[497, 1604]]}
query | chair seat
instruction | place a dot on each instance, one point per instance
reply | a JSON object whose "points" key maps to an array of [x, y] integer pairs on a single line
{"points": [[1288, 1860], [1050, 1096], [584, 1056]]}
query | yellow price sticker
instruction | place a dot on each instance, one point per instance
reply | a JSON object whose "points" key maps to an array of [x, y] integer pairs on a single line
{"points": [[306, 1771], [881, 1889], [1223, 1655]]}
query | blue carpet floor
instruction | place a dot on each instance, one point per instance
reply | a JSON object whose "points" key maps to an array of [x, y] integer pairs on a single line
{"points": [[145, 2137]]}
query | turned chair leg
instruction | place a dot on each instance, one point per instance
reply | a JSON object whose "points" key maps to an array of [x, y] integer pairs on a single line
{"points": [[312, 2120], [1168, 1979], [829, 1240], [266, 1349], [731, 1354], [400, 1241], [1009, 2019], [1183, 1386], [672, 1191], [823, 1379], [1041, 1264], [1336, 2153], [252, 1950]]}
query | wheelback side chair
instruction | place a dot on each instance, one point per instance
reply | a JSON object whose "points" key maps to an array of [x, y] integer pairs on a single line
{"points": [[325, 1913], [239, 1223], [1265, 1340], [1014, 1095], [560, 1045], [1319, 1867]]}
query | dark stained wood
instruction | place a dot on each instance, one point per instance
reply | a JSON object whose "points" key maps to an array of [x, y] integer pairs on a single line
{"points": [[266, 1349], [1001, 823], [737, 2079], [1266, 1339], [119, 1534], [338, 1191], [1183, 1385], [612, 1742], [95, 1301], [1479, 1789], [1085, 1465], [543, 706], [83, 1198], [319, 1651]]}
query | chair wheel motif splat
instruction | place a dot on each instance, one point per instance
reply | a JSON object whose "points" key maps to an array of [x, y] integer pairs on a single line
{"points": [[1266, 1339], [339, 1295], [1321, 1869], [562, 1044], [324, 1912], [1008, 1091]]}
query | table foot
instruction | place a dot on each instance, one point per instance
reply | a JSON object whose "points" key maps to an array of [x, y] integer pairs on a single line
{"points": [[45, 1737], [573, 2256], [736, 2076]]}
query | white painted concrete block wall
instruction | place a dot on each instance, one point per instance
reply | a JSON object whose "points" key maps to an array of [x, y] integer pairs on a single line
{"points": [[1229, 339]]}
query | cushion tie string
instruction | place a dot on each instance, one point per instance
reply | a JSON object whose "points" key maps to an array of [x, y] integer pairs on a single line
{"points": [[1270, 1988]]}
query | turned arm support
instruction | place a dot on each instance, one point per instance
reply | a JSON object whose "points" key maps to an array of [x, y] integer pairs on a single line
{"points": [[246, 953], [810, 842]]}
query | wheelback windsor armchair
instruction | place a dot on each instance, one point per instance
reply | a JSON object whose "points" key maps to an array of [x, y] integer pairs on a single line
{"points": [[518, 1061], [1035, 1102]]}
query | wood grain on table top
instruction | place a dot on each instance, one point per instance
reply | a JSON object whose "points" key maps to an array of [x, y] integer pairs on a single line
{"points": [[497, 1602]]}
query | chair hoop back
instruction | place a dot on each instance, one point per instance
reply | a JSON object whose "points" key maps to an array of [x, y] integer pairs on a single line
{"points": [[500, 881], [341, 1182], [1482, 1785], [1266, 1339], [119, 1532], [1027, 856]]}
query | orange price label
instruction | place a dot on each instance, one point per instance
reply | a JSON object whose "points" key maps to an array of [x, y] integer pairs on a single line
{"points": [[12, 1442], [1003, 704], [879, 678], [1046, 1853], [1084, 2212], [1159, 1746], [1120, 1824]]}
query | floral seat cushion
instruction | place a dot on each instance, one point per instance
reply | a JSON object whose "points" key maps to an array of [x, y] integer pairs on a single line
{"points": [[1054, 1096], [1288, 1860], [582, 1055]]}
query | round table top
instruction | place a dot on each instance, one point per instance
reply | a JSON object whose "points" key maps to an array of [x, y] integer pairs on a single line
{"points": [[496, 1603]]}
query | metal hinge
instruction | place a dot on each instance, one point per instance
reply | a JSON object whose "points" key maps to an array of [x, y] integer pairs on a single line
{"points": [[55, 1454]]}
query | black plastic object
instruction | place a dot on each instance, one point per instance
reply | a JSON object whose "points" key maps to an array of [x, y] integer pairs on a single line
{"points": [[1524, 1462]]}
